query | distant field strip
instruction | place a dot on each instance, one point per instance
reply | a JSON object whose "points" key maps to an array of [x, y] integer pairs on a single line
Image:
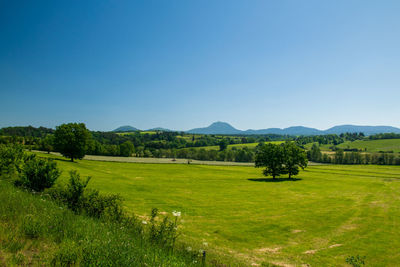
{"points": [[370, 145]]}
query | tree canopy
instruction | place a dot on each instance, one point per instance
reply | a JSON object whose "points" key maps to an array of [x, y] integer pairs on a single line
{"points": [[71, 140], [281, 159]]}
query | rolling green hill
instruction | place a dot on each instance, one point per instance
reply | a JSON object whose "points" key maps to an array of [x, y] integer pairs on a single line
{"points": [[374, 145], [384, 145]]}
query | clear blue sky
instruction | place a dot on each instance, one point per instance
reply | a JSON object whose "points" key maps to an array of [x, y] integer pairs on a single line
{"points": [[185, 64]]}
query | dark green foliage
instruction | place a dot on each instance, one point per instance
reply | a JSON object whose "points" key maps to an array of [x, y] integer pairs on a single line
{"points": [[126, 149], [272, 157], [97, 205], [11, 158], [71, 140], [294, 158], [315, 153], [223, 144], [47, 143], [38, 174], [28, 131], [356, 261], [281, 159], [74, 191]]}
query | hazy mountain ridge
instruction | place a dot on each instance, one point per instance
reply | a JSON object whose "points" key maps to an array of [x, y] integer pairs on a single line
{"points": [[226, 128]]}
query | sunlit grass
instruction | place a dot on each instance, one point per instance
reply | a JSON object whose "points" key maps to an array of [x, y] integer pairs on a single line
{"points": [[330, 213]]}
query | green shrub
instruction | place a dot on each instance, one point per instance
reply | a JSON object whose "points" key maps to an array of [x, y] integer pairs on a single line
{"points": [[74, 191], [11, 158], [356, 261], [38, 174], [102, 206]]}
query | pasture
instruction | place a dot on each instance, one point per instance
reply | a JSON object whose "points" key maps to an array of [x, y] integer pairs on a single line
{"points": [[384, 145], [374, 145], [329, 213]]}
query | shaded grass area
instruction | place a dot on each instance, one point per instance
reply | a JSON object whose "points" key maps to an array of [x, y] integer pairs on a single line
{"points": [[331, 211], [35, 231]]}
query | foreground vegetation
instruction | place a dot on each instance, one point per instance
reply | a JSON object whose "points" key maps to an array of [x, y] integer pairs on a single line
{"points": [[328, 214], [72, 225], [36, 231]]}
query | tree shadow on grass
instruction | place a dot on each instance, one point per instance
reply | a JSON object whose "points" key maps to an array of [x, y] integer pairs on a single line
{"points": [[62, 159], [276, 180]]}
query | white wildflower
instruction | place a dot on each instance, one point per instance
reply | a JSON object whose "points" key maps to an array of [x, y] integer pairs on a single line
{"points": [[144, 222], [189, 248], [176, 213]]}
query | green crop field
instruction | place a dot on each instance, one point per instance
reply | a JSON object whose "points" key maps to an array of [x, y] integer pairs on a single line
{"points": [[371, 145], [374, 145], [329, 213]]}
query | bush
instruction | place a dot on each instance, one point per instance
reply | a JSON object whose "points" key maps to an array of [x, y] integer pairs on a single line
{"points": [[356, 261], [11, 158], [38, 174], [74, 191], [102, 206]]}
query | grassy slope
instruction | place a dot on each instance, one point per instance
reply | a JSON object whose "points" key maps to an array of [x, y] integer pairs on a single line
{"points": [[374, 145], [371, 145], [355, 209], [35, 231]]}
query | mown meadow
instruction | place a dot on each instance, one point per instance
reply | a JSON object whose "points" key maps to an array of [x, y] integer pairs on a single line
{"points": [[327, 214]]}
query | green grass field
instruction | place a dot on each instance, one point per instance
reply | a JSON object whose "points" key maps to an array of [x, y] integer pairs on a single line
{"points": [[374, 145], [330, 213], [370, 145]]}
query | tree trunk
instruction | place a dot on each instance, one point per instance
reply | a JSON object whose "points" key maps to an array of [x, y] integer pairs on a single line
{"points": [[290, 176], [72, 159]]}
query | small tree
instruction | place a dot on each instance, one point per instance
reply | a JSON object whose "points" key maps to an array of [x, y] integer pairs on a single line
{"points": [[223, 144], [38, 174], [315, 154], [74, 190], [71, 140], [47, 143], [270, 156], [294, 157], [126, 149]]}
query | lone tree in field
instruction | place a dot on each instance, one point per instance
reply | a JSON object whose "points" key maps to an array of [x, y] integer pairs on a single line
{"points": [[293, 158], [71, 140], [270, 156]]}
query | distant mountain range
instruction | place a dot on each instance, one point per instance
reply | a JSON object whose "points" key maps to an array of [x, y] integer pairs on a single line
{"points": [[226, 128]]}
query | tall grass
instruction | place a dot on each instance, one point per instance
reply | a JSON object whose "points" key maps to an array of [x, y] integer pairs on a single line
{"points": [[35, 230]]}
